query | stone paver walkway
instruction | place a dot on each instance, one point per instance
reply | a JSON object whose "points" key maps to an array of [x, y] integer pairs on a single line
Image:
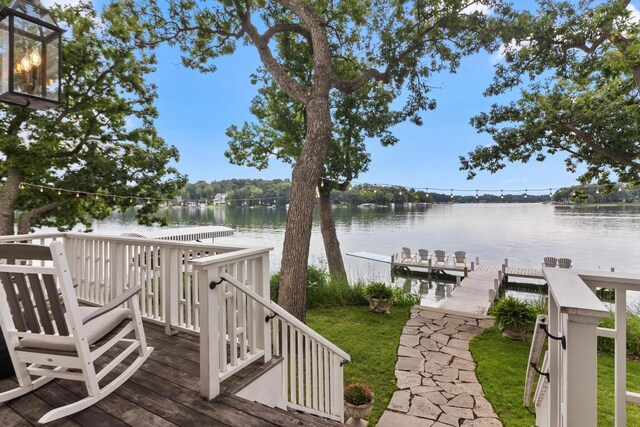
{"points": [[435, 373]]}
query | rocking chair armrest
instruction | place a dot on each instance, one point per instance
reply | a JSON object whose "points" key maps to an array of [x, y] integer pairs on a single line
{"points": [[114, 303]]}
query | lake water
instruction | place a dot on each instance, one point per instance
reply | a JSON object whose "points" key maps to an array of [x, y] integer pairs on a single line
{"points": [[593, 237]]}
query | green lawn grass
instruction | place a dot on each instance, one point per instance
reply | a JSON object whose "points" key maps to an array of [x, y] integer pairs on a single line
{"points": [[501, 371], [372, 342]]}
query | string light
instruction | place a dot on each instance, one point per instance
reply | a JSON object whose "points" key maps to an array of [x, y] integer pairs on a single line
{"points": [[428, 190]]}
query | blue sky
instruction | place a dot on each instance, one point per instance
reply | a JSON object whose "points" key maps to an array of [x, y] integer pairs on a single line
{"points": [[196, 109]]}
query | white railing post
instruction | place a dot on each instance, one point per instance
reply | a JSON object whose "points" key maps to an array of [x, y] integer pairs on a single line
{"points": [[554, 362], [170, 260], [580, 372], [262, 281], [621, 357], [209, 336], [337, 398]]}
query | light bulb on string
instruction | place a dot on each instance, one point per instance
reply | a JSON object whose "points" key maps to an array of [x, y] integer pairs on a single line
{"points": [[97, 197], [525, 193], [42, 189], [59, 192], [502, 194], [77, 194], [597, 191], [619, 189], [476, 194], [21, 186], [452, 193], [550, 190]]}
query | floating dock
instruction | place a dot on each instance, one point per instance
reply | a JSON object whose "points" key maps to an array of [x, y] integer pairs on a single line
{"points": [[477, 285]]}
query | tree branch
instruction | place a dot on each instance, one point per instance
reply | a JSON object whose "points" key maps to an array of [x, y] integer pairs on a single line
{"points": [[27, 219], [622, 158], [294, 89]]}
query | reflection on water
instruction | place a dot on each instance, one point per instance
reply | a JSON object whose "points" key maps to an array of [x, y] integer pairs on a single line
{"points": [[432, 292], [593, 237]]}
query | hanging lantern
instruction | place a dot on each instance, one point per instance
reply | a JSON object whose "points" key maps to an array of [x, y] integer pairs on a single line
{"points": [[30, 56]]}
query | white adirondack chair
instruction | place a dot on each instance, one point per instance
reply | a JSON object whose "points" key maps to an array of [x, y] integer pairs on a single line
{"points": [[423, 256], [460, 259], [407, 256], [564, 263], [49, 335], [441, 258], [549, 261]]}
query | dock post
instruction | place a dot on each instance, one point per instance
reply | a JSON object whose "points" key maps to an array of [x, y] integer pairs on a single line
{"points": [[492, 295], [613, 269], [477, 260], [457, 281], [393, 257], [496, 286], [466, 271], [473, 264], [500, 276], [448, 290], [506, 262], [504, 269]]}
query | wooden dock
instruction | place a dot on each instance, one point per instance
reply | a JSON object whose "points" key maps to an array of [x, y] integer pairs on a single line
{"points": [[164, 392]]}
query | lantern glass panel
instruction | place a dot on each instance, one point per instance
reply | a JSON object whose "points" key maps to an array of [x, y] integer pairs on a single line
{"points": [[52, 70], [4, 57], [27, 58]]}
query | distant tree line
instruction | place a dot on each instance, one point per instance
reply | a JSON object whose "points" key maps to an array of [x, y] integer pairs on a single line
{"points": [[255, 192]]}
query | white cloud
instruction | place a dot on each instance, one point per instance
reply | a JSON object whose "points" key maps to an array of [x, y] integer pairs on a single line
{"points": [[512, 46], [50, 3], [477, 7], [635, 13]]}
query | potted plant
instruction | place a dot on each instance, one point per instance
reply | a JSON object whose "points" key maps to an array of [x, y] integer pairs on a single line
{"points": [[379, 296], [514, 317], [358, 398]]}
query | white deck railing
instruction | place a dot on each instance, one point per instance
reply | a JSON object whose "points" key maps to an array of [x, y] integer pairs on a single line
{"points": [[574, 313], [178, 291], [312, 366]]}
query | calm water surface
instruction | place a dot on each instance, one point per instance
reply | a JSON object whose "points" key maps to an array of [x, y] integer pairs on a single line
{"points": [[593, 237]]}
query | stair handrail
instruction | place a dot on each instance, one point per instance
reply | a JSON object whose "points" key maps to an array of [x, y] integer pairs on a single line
{"points": [[279, 311]]}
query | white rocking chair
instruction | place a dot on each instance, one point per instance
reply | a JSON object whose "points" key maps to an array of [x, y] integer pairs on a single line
{"points": [[49, 336]]}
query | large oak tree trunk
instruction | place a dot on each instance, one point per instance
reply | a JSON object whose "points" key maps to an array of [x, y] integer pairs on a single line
{"points": [[330, 237], [9, 193], [306, 173]]}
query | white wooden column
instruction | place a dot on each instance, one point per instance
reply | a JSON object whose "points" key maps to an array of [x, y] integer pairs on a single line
{"points": [[209, 335], [621, 358], [580, 372], [171, 260], [554, 364], [337, 387], [263, 288]]}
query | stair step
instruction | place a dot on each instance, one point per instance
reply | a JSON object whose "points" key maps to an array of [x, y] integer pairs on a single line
{"points": [[246, 376], [270, 415]]}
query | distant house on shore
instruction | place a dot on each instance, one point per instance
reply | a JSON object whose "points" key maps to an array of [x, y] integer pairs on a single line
{"points": [[220, 199]]}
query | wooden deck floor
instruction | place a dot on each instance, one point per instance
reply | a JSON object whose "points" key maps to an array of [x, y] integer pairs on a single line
{"points": [[164, 392]]}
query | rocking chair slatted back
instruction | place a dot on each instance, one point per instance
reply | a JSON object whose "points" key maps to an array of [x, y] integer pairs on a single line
{"points": [[25, 290]]}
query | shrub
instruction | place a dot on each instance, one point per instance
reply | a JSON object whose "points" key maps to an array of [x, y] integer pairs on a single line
{"points": [[378, 290], [358, 394], [325, 292], [510, 312], [404, 298], [606, 345]]}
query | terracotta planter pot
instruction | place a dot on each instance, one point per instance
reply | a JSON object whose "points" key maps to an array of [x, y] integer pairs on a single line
{"points": [[380, 306], [357, 411]]}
